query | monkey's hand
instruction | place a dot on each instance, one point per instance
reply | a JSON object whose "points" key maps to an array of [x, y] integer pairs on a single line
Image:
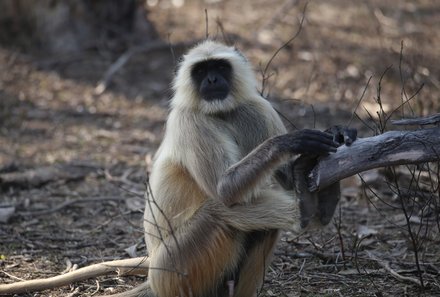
{"points": [[311, 142], [343, 135]]}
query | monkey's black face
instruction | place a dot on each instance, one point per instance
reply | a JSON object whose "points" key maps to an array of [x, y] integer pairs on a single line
{"points": [[212, 78]]}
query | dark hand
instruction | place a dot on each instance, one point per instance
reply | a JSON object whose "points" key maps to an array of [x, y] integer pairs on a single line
{"points": [[310, 142], [343, 135]]}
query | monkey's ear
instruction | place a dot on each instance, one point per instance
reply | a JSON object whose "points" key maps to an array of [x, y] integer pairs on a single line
{"points": [[178, 64]]}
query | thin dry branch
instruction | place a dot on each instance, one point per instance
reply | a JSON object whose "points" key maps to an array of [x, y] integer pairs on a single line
{"points": [[134, 266], [390, 148], [386, 266]]}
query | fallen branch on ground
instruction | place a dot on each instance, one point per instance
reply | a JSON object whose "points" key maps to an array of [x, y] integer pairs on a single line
{"points": [[386, 266], [69, 203], [39, 176], [134, 266]]}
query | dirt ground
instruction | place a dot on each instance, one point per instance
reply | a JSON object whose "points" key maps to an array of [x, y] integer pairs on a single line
{"points": [[51, 116]]}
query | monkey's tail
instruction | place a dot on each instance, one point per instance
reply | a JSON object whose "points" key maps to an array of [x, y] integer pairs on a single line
{"points": [[122, 267]]}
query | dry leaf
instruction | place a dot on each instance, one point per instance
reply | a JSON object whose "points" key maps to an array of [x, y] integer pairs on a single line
{"points": [[131, 250], [364, 231]]}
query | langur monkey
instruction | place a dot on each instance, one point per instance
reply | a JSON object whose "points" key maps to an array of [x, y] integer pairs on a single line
{"points": [[224, 181]]}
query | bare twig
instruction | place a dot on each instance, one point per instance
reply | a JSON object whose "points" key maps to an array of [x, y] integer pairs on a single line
{"points": [[206, 24], [401, 105], [13, 276], [151, 201], [359, 101], [266, 68], [283, 10], [97, 288], [74, 293], [381, 114], [413, 237], [402, 80], [386, 266], [123, 178], [135, 266], [226, 38], [338, 224]]}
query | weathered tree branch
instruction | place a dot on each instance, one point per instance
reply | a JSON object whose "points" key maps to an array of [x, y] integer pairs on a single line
{"points": [[390, 148], [132, 266], [430, 120]]}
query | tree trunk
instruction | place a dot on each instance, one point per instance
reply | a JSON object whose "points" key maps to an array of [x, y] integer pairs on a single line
{"points": [[66, 26]]}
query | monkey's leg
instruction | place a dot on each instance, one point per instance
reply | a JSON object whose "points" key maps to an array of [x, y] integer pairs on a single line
{"points": [[259, 248], [197, 264], [318, 207]]}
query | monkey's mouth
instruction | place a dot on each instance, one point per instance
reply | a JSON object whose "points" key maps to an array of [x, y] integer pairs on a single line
{"points": [[218, 95]]}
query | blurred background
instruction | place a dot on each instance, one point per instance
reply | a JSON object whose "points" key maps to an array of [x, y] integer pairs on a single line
{"points": [[84, 89]]}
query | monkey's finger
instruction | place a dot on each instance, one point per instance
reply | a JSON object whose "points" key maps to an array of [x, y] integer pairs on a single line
{"points": [[322, 137], [350, 135], [316, 133], [324, 134], [319, 148]]}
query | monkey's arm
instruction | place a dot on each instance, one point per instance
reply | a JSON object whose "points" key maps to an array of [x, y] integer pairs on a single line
{"points": [[245, 175]]}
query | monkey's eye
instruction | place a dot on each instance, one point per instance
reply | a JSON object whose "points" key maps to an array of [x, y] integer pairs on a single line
{"points": [[199, 72], [223, 67]]}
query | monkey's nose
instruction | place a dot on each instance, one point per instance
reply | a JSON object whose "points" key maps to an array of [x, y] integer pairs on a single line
{"points": [[212, 79]]}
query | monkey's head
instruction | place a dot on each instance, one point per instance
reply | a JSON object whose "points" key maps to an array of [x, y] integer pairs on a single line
{"points": [[213, 78]]}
